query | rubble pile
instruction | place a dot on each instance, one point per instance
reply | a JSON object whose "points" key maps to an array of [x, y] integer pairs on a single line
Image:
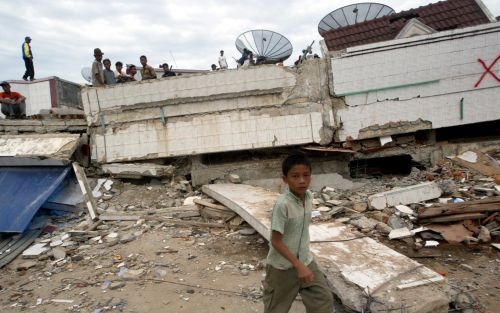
{"points": [[71, 243], [446, 203]]}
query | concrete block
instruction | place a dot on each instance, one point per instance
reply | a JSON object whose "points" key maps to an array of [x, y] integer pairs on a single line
{"points": [[375, 269], [406, 195]]}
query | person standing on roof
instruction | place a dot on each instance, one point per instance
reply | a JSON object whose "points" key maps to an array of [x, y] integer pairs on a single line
{"points": [[97, 69], [147, 71], [222, 61], [13, 103], [28, 59]]}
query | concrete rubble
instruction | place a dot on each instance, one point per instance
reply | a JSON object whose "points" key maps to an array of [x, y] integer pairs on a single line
{"points": [[406, 195]]}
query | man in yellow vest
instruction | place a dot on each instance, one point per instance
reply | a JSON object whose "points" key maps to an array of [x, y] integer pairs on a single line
{"points": [[28, 59]]}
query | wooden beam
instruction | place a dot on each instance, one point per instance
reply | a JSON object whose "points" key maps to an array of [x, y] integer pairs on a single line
{"points": [[211, 205], [158, 218], [454, 218], [485, 205], [87, 192]]}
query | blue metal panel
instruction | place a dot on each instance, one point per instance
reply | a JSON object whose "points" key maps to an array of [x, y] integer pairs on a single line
{"points": [[23, 190]]}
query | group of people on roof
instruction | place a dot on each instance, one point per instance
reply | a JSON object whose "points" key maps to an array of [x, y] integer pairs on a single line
{"points": [[102, 74]]}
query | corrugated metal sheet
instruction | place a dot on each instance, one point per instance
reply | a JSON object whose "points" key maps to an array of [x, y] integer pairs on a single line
{"points": [[23, 190]]}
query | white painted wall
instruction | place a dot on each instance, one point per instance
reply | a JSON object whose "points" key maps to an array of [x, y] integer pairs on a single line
{"points": [[419, 77]]}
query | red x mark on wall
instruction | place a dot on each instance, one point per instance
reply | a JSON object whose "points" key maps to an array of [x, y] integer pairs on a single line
{"points": [[487, 69]]}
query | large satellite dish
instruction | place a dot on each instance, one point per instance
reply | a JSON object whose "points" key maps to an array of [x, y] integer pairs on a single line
{"points": [[267, 46], [86, 74], [353, 14]]}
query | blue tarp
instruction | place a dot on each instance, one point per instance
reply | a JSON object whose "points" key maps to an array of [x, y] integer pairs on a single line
{"points": [[23, 190]]}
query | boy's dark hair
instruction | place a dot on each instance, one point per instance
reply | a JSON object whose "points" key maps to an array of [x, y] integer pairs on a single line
{"points": [[106, 60], [295, 159], [143, 57], [118, 63]]}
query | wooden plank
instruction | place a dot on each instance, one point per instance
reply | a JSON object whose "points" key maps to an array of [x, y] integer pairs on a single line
{"points": [[158, 218], [87, 192], [454, 218], [484, 205], [357, 265], [210, 205]]}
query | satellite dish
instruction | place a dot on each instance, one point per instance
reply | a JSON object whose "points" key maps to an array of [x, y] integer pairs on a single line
{"points": [[267, 46], [86, 74], [353, 14]]}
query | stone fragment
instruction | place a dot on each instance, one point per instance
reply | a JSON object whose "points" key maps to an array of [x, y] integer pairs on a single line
{"points": [[383, 228], [484, 235], [360, 207], [363, 222], [468, 156], [404, 210], [431, 243], [334, 202], [396, 222], [233, 178], [35, 250], [400, 233], [190, 200], [247, 231], [26, 265], [131, 274], [59, 253], [323, 209], [116, 285], [128, 237]]}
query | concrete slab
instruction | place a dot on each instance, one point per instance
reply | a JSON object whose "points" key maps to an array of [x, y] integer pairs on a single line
{"points": [[138, 170], [407, 195], [364, 273], [37, 149]]}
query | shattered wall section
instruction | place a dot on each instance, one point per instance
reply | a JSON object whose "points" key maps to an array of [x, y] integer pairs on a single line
{"points": [[432, 81], [259, 107]]}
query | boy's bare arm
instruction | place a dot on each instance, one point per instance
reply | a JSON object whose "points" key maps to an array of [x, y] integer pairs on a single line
{"points": [[304, 273]]}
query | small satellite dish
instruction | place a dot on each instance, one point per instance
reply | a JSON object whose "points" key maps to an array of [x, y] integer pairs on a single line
{"points": [[267, 46], [353, 14], [86, 74]]}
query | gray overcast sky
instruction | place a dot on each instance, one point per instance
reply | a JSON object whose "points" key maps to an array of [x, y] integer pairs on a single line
{"points": [[65, 33]]}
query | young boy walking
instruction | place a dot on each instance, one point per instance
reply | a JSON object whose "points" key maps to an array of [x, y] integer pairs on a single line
{"points": [[290, 265]]}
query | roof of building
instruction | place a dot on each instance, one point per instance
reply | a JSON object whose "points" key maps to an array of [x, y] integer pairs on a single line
{"points": [[443, 15]]}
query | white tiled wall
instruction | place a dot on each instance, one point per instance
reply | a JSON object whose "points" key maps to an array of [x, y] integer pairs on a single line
{"points": [[420, 80], [235, 130], [263, 77]]}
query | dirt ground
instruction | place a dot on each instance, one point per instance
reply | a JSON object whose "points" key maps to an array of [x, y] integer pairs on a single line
{"points": [[191, 269]]}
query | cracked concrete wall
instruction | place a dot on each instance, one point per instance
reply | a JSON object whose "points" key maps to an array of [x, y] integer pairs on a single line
{"points": [[428, 81], [259, 107]]}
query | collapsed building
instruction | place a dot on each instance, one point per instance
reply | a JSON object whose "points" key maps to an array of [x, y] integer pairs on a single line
{"points": [[390, 93]]}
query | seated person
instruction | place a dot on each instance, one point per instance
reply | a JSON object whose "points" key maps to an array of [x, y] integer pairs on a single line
{"points": [[167, 71], [13, 103], [244, 56], [249, 61], [128, 76], [214, 67], [120, 75]]}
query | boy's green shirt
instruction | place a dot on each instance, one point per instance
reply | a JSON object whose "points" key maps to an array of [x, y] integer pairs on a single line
{"points": [[291, 218]]}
